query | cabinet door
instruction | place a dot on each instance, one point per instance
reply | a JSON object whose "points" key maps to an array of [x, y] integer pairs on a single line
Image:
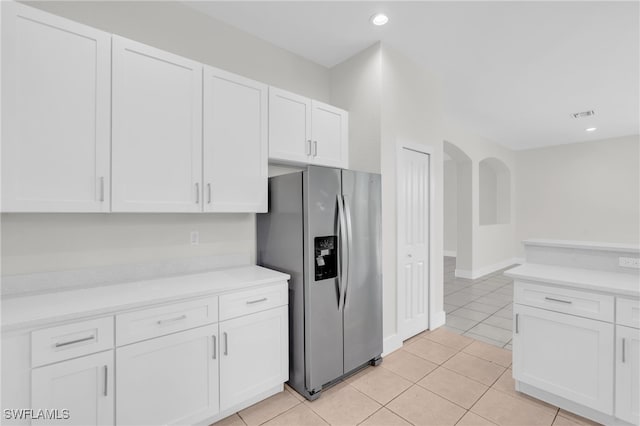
{"points": [[83, 385], [330, 131], [289, 127], [235, 143], [628, 374], [157, 130], [55, 113], [254, 355], [168, 380], [569, 356]]}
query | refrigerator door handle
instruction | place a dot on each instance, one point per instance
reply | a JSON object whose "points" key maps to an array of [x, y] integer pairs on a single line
{"points": [[347, 211], [342, 237]]}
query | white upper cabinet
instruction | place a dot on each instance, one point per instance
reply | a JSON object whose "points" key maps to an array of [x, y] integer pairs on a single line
{"points": [[289, 127], [303, 131], [56, 113], [235, 147], [329, 130], [157, 130]]}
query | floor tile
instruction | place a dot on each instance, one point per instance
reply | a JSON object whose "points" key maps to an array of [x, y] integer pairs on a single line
{"points": [[495, 333], [381, 385], [469, 314], [269, 408], [490, 353], [431, 351], [506, 410], [454, 387], [366, 370], [493, 301], [504, 313], [234, 420], [453, 329], [472, 419], [576, 419], [385, 417], [447, 338], [408, 365], [563, 421], [499, 322], [293, 392], [297, 416], [346, 406], [450, 308], [485, 339], [506, 384], [460, 323], [508, 347], [458, 299], [481, 307], [421, 407], [475, 368]]}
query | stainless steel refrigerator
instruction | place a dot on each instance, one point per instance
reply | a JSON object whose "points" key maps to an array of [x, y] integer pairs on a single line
{"points": [[324, 229]]}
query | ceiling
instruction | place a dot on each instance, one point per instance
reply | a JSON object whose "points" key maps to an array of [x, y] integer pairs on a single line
{"points": [[512, 72]]}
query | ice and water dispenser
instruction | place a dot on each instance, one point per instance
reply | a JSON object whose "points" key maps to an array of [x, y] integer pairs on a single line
{"points": [[326, 252]]}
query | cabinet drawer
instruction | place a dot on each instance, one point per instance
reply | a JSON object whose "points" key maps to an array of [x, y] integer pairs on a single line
{"points": [[70, 341], [574, 302], [628, 312], [159, 321], [255, 300]]}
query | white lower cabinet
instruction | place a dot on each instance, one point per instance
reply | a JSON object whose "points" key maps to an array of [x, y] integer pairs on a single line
{"points": [[83, 386], [566, 355], [168, 380], [253, 355], [627, 374]]}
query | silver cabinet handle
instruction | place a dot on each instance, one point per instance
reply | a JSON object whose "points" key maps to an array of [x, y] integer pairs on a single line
{"points": [[106, 376], [624, 358], [72, 342], [309, 147], [347, 215], [101, 188], [568, 302], [342, 253], [164, 321], [215, 346], [208, 193], [315, 148], [517, 328], [197, 193], [251, 302], [226, 343]]}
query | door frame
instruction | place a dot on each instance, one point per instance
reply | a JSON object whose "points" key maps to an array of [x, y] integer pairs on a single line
{"points": [[428, 150]]}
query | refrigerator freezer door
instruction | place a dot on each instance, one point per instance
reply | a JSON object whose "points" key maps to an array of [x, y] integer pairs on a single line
{"points": [[363, 299], [323, 319]]}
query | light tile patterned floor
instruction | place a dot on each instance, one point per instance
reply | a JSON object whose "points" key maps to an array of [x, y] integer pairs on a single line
{"points": [[481, 308], [437, 378]]}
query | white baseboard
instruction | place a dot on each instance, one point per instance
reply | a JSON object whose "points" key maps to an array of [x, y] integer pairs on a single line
{"points": [[437, 320], [480, 272], [391, 344], [518, 260], [449, 253]]}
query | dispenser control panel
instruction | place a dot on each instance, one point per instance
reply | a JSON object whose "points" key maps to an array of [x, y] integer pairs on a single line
{"points": [[326, 261]]}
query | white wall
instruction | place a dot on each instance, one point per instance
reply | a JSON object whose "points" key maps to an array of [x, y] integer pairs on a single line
{"points": [[586, 191], [392, 100], [492, 246], [488, 186], [356, 87], [450, 206], [47, 242]]}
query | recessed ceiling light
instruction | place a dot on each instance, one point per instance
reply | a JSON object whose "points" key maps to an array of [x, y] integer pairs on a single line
{"points": [[583, 114], [590, 129], [379, 19]]}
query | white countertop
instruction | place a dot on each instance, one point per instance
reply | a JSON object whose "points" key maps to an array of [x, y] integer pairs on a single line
{"points": [[610, 282], [41, 309], [585, 245]]}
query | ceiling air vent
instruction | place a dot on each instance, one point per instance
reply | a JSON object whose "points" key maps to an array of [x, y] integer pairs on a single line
{"points": [[583, 114]]}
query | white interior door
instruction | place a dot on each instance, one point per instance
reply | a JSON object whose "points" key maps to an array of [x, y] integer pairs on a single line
{"points": [[413, 242]]}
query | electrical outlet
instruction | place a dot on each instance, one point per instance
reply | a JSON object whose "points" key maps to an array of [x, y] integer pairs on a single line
{"points": [[629, 262], [195, 238]]}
